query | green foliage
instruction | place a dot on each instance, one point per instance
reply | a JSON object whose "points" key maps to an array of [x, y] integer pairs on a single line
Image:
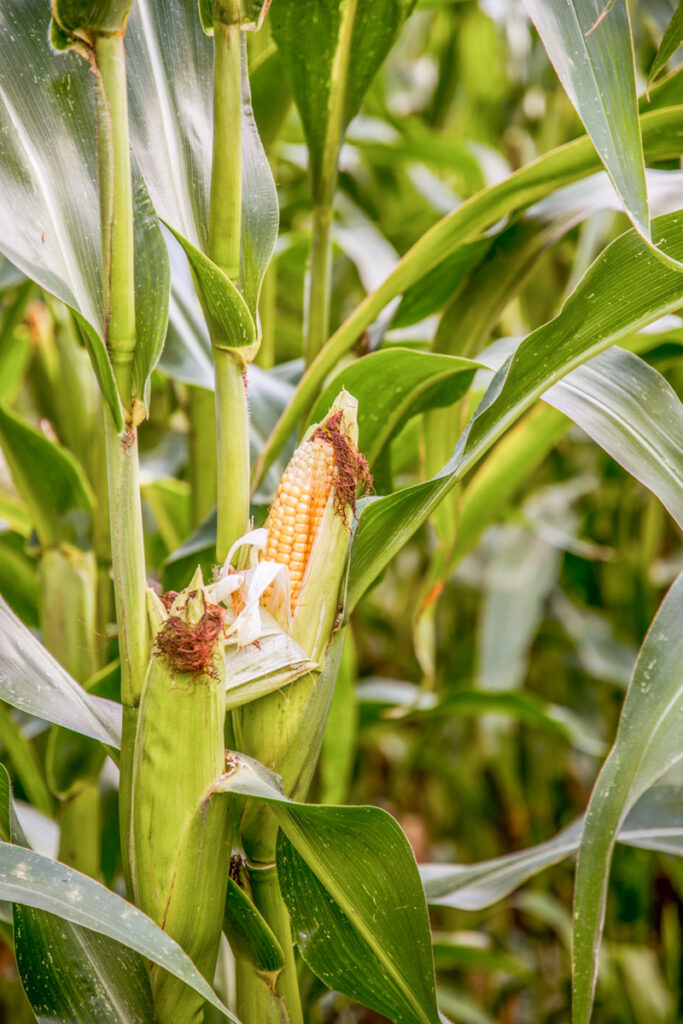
{"points": [[459, 258]]}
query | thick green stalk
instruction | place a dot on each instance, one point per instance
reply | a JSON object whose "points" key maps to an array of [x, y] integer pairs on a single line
{"points": [[319, 285], [225, 211], [232, 443], [268, 899], [267, 311], [202, 410], [116, 211], [130, 584], [323, 188], [125, 511], [128, 558]]}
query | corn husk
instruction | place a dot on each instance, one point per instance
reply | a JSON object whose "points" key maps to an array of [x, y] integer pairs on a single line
{"points": [[284, 730], [180, 830]]}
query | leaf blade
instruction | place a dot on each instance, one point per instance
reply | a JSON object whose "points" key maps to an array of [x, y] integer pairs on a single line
{"points": [[593, 58]]}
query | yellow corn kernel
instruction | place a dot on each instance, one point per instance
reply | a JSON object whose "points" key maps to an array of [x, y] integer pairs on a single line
{"points": [[297, 511]]}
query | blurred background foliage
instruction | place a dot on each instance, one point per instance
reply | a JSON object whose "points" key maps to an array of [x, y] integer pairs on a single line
{"points": [[544, 614]]}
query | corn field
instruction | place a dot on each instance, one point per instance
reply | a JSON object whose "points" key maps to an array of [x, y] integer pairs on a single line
{"points": [[341, 486]]}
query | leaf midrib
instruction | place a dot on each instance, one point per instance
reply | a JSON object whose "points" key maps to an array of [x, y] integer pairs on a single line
{"points": [[339, 897]]}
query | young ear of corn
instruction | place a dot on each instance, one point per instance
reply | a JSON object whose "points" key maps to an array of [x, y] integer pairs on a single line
{"points": [[309, 529], [181, 834]]}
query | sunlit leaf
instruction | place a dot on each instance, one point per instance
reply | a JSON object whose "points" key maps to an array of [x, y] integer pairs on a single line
{"points": [[528, 185], [361, 922], [632, 412], [588, 323], [170, 76], [328, 80], [49, 199], [648, 742], [50, 481], [106, 970], [393, 385], [32, 681], [593, 57], [671, 40]]}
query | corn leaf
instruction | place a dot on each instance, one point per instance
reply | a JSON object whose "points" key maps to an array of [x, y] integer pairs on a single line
{"points": [[50, 481], [32, 681], [361, 922], [631, 411], [588, 323], [648, 742], [232, 323], [393, 385], [591, 50], [654, 823], [64, 919], [249, 934], [661, 138], [331, 52], [48, 194], [671, 40], [110, 981], [170, 76]]}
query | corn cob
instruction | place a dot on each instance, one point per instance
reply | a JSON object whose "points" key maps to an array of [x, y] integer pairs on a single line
{"points": [[297, 511], [283, 730]]}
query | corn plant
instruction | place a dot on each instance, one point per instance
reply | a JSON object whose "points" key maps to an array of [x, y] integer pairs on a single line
{"points": [[173, 645]]}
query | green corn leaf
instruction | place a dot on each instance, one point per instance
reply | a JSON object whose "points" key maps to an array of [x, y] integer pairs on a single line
{"points": [[25, 762], [73, 921], [361, 922], [32, 681], [70, 758], [50, 481], [329, 79], [631, 411], [393, 385], [248, 932], [654, 823], [70, 975], [187, 352], [232, 324], [432, 292], [587, 324], [357, 910], [648, 742], [48, 194], [593, 57], [513, 460], [170, 75], [662, 132], [18, 578], [671, 40]]}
